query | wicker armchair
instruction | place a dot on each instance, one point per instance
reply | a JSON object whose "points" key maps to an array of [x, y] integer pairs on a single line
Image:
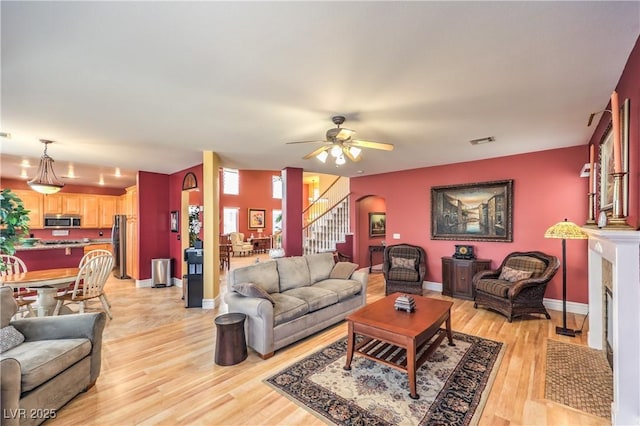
{"points": [[518, 286], [404, 268]]}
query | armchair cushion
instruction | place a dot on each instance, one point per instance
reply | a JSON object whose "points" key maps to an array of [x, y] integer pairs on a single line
{"points": [[402, 262], [252, 290], [9, 338], [513, 275], [41, 360], [403, 274], [493, 286]]}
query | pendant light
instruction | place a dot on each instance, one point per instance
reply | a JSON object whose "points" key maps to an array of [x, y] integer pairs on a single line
{"points": [[45, 181]]}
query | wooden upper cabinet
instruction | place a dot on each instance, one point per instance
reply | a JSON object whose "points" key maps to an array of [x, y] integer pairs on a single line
{"points": [[90, 211], [63, 204], [108, 208], [32, 201], [131, 201]]}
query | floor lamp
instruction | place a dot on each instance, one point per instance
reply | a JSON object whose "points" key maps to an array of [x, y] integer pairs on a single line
{"points": [[566, 231]]}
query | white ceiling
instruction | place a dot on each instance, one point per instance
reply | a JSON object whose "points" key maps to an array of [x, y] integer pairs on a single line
{"points": [[150, 85]]}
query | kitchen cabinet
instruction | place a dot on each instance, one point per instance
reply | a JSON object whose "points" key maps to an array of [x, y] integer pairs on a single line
{"points": [[131, 201], [63, 204], [457, 276], [101, 246], [107, 209], [132, 248], [90, 211], [32, 201]]}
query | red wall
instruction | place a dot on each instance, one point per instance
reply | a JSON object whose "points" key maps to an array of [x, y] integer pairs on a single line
{"points": [[547, 188], [175, 200], [68, 188], [256, 193], [153, 220], [628, 87]]}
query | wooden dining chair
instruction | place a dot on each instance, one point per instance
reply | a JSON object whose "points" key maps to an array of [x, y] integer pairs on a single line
{"points": [[225, 252], [87, 256], [15, 265], [89, 284]]}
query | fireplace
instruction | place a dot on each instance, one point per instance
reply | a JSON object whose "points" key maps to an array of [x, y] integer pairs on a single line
{"points": [[614, 314]]}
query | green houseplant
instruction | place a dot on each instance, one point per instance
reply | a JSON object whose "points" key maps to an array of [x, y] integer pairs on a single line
{"points": [[14, 222]]}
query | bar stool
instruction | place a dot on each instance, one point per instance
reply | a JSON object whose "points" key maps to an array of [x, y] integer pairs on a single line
{"points": [[231, 346]]}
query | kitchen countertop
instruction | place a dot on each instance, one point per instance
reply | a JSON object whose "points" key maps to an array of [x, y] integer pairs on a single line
{"points": [[40, 246]]}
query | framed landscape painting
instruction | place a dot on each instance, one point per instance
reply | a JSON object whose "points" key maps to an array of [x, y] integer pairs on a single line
{"points": [[473, 212], [377, 224]]}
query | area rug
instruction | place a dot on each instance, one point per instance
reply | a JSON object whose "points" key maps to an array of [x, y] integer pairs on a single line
{"points": [[453, 385], [579, 377]]}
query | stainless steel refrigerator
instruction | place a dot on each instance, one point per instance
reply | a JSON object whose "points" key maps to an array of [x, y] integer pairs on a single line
{"points": [[119, 242]]}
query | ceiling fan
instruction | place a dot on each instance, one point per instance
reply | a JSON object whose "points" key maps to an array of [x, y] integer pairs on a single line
{"points": [[339, 144]]}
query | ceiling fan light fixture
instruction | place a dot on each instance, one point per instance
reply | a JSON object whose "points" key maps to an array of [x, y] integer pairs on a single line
{"points": [[355, 151], [340, 160], [336, 150], [45, 181], [322, 156]]}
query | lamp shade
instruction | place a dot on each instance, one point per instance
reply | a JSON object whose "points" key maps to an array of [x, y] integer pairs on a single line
{"points": [[45, 181], [566, 230]]}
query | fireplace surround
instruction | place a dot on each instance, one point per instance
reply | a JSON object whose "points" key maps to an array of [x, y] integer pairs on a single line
{"points": [[620, 249]]}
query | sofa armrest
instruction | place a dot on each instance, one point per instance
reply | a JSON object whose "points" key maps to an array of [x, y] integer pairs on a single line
{"points": [[73, 326], [10, 391], [493, 274], [259, 324]]}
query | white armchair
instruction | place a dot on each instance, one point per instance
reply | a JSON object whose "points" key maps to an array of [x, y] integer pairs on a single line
{"points": [[238, 245]]}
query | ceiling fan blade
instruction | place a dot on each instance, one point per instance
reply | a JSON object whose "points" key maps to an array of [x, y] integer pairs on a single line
{"points": [[318, 141], [316, 152], [345, 134], [374, 145], [349, 155]]}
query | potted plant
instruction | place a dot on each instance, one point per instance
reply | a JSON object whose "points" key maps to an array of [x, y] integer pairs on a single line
{"points": [[194, 225], [14, 222]]}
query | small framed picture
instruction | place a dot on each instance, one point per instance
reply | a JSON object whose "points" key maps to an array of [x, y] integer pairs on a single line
{"points": [[173, 221], [257, 218], [377, 224]]}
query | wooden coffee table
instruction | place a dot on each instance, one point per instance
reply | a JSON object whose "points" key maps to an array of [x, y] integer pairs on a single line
{"points": [[394, 337]]}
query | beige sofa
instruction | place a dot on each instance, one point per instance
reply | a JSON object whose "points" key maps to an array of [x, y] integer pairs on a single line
{"points": [[290, 298], [59, 358]]}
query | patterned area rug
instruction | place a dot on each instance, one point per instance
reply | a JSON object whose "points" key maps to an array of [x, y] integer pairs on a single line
{"points": [[579, 377], [453, 385]]}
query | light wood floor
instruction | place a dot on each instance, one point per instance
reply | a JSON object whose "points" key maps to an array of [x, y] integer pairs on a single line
{"points": [[158, 367]]}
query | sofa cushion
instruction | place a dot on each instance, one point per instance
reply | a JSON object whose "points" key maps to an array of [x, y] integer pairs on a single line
{"points": [[294, 272], [403, 274], [343, 270], [316, 297], [320, 266], [263, 274], [343, 288], [287, 308], [513, 275], [9, 338], [252, 290], [40, 360], [494, 286], [527, 263]]}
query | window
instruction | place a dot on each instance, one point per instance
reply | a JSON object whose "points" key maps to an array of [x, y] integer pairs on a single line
{"points": [[277, 224], [276, 187], [230, 181], [230, 219]]}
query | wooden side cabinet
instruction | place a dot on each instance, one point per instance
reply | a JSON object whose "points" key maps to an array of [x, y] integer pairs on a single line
{"points": [[457, 275]]}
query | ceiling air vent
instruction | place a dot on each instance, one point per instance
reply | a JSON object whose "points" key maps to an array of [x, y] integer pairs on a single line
{"points": [[482, 140]]}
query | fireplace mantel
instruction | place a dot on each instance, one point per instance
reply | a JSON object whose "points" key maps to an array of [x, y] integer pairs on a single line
{"points": [[622, 249]]}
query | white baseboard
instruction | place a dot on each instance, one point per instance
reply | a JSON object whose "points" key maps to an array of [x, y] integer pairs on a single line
{"points": [[553, 304]]}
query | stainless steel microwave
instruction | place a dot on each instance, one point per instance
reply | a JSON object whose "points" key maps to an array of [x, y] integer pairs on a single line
{"points": [[61, 221]]}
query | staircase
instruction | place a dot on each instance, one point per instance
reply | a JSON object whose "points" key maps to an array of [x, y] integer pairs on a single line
{"points": [[326, 220]]}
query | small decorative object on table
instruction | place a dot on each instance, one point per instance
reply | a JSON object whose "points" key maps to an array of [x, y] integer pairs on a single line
{"points": [[463, 252], [405, 303]]}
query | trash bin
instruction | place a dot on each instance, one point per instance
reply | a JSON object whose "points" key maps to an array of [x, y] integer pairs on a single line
{"points": [[161, 272]]}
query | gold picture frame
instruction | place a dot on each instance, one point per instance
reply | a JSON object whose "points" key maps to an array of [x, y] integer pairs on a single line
{"points": [[605, 163], [257, 218]]}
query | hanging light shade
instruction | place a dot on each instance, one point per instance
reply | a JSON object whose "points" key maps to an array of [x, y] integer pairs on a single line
{"points": [[45, 181]]}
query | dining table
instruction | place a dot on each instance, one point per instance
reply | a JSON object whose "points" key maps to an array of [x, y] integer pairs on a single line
{"points": [[46, 282]]}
